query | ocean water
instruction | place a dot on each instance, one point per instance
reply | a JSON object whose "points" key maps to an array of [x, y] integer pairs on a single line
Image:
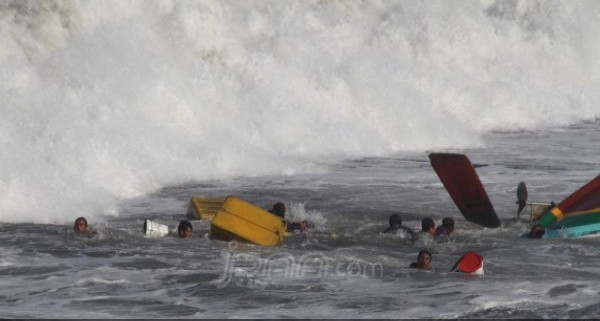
{"points": [[122, 110]]}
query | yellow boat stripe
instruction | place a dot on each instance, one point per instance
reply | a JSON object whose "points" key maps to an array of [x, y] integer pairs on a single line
{"points": [[557, 213]]}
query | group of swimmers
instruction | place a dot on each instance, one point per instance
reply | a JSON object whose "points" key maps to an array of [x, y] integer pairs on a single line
{"points": [[424, 258], [291, 227], [184, 230], [427, 228]]}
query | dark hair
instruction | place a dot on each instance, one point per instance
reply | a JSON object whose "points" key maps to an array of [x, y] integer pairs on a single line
{"points": [[448, 222], [278, 209], [395, 219], [426, 224], [423, 252], [77, 220], [184, 225]]}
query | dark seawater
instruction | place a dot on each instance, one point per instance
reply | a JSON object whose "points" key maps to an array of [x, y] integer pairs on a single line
{"points": [[46, 271]]}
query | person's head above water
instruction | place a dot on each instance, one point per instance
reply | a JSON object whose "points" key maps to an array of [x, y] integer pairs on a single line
{"points": [[297, 227], [446, 228], [428, 225], [278, 209], [80, 225], [448, 222], [395, 220], [424, 258], [184, 229], [423, 261]]}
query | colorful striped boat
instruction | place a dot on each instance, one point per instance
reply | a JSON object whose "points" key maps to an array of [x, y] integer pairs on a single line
{"points": [[577, 215], [576, 224]]}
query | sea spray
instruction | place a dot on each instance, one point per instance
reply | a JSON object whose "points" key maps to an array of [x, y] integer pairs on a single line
{"points": [[103, 101]]}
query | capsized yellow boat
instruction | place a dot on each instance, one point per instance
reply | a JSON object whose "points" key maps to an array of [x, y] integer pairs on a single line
{"points": [[204, 208], [245, 222]]}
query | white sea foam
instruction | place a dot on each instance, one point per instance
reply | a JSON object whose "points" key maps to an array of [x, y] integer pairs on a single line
{"points": [[103, 101]]}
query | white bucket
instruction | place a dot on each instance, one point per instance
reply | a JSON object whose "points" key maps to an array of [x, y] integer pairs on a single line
{"points": [[154, 229]]}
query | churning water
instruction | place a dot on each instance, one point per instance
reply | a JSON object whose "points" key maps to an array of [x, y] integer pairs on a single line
{"points": [[122, 110]]}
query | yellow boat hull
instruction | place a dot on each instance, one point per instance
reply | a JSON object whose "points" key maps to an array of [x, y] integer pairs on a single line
{"points": [[241, 221], [204, 208]]}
